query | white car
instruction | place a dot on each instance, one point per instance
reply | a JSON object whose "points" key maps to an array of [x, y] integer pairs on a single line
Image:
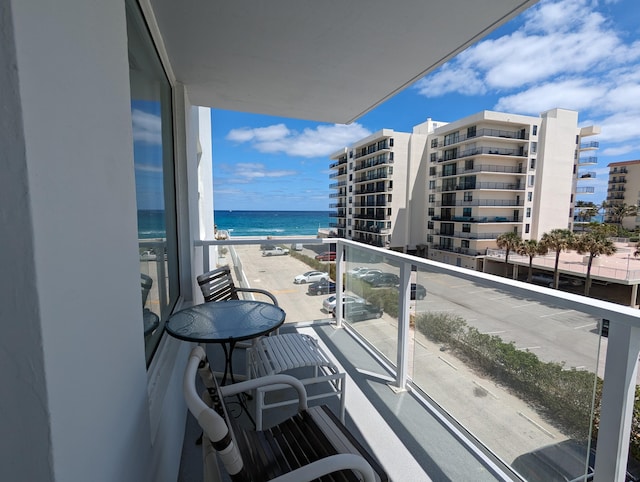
{"points": [[363, 272], [310, 277], [330, 303], [355, 270]]}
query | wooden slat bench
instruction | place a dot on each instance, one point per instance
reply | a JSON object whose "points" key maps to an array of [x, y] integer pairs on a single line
{"points": [[312, 445], [283, 353]]}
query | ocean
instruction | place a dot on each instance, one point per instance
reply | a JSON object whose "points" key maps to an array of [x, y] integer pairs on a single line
{"points": [[271, 223]]}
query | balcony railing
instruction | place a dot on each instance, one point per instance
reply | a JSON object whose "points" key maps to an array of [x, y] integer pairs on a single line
{"points": [[485, 168], [509, 186], [483, 202], [491, 356], [519, 135], [494, 151], [588, 160]]}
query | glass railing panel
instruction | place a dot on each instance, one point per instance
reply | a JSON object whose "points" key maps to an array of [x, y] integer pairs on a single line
{"points": [[371, 299], [516, 370], [300, 273]]}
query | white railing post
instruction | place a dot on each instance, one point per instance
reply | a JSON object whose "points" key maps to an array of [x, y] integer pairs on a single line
{"points": [[618, 393], [340, 268], [404, 293]]}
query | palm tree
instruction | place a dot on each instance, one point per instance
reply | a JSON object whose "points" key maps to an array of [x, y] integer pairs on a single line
{"points": [[557, 240], [594, 244], [531, 248], [617, 212], [509, 242]]}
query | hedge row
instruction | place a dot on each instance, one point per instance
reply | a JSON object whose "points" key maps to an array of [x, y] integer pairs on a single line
{"points": [[564, 396]]}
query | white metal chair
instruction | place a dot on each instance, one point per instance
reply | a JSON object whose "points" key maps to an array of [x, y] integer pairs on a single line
{"points": [[293, 351], [308, 446]]}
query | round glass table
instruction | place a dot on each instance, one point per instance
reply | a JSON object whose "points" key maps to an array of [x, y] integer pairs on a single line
{"points": [[225, 322]]}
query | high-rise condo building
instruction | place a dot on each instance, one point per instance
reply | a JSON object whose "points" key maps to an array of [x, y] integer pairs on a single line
{"points": [[448, 190], [623, 188]]}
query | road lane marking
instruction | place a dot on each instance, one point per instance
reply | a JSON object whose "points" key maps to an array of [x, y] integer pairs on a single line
{"points": [[584, 326], [494, 332], [448, 363], [557, 313], [280, 292], [537, 425], [522, 306]]}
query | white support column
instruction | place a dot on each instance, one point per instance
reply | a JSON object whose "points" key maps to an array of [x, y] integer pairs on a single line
{"points": [[340, 268], [634, 295], [402, 356], [617, 402]]}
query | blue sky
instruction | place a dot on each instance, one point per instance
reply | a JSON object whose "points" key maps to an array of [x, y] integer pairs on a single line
{"points": [[573, 54]]}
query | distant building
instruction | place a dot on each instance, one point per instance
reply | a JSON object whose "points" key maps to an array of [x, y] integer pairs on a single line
{"points": [[624, 188], [448, 190]]}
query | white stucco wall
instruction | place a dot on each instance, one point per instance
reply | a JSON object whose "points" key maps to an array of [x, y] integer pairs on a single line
{"points": [[74, 403]]}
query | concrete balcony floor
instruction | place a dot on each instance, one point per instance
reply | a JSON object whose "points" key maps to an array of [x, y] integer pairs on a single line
{"points": [[411, 440]]}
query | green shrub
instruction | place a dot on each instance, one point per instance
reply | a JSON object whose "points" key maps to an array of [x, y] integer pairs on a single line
{"points": [[562, 395]]}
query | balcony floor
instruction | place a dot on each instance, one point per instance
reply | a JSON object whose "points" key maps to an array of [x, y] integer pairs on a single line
{"points": [[409, 440]]}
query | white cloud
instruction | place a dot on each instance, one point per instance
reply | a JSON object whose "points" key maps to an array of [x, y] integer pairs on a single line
{"points": [[245, 172], [565, 54], [575, 94], [146, 127], [310, 143]]}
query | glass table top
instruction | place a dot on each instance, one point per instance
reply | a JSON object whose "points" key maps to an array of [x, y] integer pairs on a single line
{"points": [[225, 321]]}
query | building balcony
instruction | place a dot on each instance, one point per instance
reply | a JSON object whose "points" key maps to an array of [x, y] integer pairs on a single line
{"points": [[446, 355], [519, 135], [585, 190], [466, 235], [586, 175], [342, 172], [340, 162], [377, 217], [372, 176], [483, 203], [492, 168], [487, 151], [585, 161], [379, 160], [337, 194], [338, 184], [369, 204], [494, 186], [589, 146]]}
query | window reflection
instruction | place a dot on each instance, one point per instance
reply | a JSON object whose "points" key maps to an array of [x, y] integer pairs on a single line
{"points": [[154, 178]]}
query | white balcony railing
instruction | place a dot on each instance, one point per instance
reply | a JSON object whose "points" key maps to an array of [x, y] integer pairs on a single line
{"points": [[517, 366]]}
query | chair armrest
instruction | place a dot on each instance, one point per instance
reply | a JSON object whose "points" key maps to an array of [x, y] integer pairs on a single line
{"points": [[257, 290], [254, 383], [328, 465]]}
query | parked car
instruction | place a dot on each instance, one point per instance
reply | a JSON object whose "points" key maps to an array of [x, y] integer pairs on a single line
{"points": [[359, 311], [275, 251], [330, 303], [418, 291], [356, 270], [322, 287], [369, 274], [310, 277], [296, 247], [327, 256], [266, 247], [547, 280], [379, 280]]}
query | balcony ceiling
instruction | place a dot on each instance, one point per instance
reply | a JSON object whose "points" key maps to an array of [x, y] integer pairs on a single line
{"points": [[329, 60]]}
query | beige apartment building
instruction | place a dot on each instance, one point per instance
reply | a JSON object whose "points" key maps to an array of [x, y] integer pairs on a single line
{"points": [[624, 188], [448, 190], [377, 189]]}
